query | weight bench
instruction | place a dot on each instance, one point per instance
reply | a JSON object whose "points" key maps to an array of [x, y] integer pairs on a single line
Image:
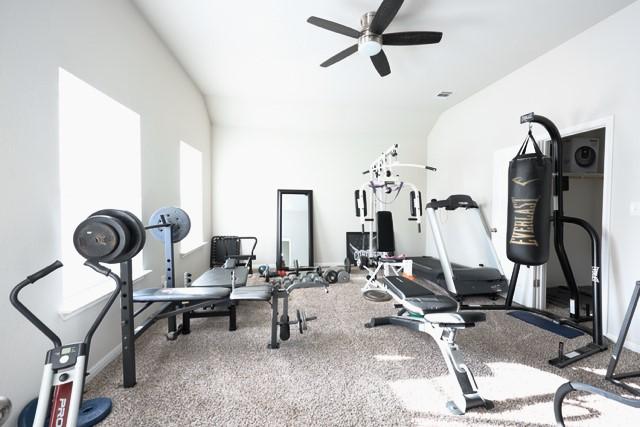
{"points": [[273, 293], [436, 315], [184, 301]]}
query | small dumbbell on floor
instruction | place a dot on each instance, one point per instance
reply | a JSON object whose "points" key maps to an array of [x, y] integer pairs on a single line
{"points": [[302, 317], [338, 275]]}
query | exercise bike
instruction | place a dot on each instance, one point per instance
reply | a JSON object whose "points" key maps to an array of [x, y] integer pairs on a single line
{"points": [[60, 402]]}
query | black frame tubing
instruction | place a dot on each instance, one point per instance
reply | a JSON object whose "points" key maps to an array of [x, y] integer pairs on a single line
{"points": [[619, 347], [559, 219]]}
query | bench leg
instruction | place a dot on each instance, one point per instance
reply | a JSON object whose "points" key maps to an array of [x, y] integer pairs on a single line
{"points": [[465, 383], [468, 396], [232, 317], [273, 344], [186, 323]]}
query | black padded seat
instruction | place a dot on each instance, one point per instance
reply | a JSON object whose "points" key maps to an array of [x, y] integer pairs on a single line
{"points": [[252, 293], [221, 277], [180, 294], [406, 288], [417, 298], [432, 304]]}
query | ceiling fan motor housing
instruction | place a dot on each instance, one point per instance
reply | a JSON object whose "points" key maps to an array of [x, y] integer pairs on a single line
{"points": [[369, 44]]}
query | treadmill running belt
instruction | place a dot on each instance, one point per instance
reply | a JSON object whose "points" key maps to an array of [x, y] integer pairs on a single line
{"points": [[468, 280]]}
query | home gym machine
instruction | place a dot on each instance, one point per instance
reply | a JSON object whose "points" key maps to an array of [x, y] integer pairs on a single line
{"points": [[567, 388], [611, 375], [528, 238], [115, 237], [59, 402], [384, 187], [171, 225]]}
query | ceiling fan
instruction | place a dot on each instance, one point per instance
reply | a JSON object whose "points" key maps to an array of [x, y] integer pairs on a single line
{"points": [[371, 38]]}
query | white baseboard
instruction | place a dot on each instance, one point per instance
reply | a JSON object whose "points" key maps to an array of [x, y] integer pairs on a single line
{"points": [[630, 345], [102, 363]]}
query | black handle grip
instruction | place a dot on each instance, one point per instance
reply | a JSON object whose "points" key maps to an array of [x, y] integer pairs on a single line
{"points": [[98, 268], [365, 172], [431, 168], [45, 271]]}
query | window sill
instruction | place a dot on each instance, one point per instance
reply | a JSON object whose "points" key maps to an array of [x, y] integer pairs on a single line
{"points": [[192, 250], [82, 301]]}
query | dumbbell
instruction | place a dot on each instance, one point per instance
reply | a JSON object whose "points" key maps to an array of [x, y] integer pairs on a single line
{"points": [[331, 276], [303, 319], [344, 274]]}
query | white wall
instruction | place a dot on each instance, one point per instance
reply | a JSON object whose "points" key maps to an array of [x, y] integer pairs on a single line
{"points": [[592, 76], [251, 164], [108, 45]]}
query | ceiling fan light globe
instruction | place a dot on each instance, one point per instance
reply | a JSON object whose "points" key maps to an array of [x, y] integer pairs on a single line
{"points": [[369, 47]]}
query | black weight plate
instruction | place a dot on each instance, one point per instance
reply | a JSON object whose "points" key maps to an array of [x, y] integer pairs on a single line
{"points": [[137, 232], [331, 276], [179, 220], [101, 238]]}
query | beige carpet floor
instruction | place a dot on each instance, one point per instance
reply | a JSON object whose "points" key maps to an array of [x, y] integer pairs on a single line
{"points": [[342, 374]]}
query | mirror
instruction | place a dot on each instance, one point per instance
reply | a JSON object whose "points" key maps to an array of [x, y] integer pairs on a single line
{"points": [[295, 229]]}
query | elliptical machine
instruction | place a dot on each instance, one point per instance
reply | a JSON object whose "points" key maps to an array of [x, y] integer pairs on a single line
{"points": [[109, 236], [5, 409], [60, 399]]}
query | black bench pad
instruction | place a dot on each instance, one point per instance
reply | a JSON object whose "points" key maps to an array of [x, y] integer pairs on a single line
{"points": [[418, 298], [180, 294], [221, 277]]}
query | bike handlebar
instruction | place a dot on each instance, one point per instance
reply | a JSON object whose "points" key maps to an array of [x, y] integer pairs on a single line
{"points": [[44, 272], [13, 297]]}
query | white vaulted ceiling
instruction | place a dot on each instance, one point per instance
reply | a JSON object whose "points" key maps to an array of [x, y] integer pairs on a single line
{"points": [[257, 62]]}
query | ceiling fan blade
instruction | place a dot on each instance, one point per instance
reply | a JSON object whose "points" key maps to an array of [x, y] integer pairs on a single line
{"points": [[333, 26], [381, 63], [340, 56], [386, 12], [411, 38]]}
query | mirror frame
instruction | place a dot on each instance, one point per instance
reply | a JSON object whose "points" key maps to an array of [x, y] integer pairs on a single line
{"points": [[309, 194]]}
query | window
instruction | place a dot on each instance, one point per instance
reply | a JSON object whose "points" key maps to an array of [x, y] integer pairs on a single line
{"points": [[99, 168], [191, 193]]}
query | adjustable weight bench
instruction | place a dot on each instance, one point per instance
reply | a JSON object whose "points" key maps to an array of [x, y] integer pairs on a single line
{"points": [[436, 315], [229, 276], [184, 301]]}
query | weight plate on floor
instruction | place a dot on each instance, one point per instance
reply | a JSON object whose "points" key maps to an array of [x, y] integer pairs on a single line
{"points": [[331, 276], [343, 276], [175, 217], [101, 238], [136, 231]]}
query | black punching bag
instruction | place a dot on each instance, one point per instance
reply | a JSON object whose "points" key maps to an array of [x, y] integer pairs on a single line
{"points": [[529, 208]]}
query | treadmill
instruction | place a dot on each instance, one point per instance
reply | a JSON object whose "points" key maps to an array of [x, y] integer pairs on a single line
{"points": [[484, 276]]}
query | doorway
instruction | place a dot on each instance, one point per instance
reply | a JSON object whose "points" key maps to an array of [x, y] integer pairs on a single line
{"points": [[584, 160]]}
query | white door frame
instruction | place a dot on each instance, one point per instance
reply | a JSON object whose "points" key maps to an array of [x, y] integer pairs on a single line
{"points": [[605, 254]]}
